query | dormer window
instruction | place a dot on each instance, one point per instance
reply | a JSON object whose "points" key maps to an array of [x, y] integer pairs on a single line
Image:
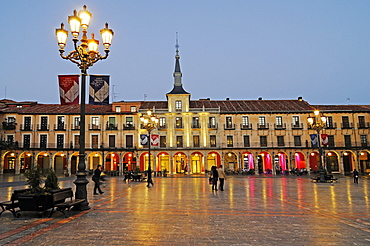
{"points": [[178, 105]]}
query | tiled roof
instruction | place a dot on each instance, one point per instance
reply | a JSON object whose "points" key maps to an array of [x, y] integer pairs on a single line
{"points": [[339, 108], [234, 106], [58, 109]]}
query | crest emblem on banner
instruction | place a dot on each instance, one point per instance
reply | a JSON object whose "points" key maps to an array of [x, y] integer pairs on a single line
{"points": [[144, 139], [313, 139], [154, 139], [99, 90], [325, 139]]}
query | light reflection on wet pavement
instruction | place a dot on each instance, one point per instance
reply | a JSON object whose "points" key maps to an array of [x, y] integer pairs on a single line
{"points": [[184, 211]]}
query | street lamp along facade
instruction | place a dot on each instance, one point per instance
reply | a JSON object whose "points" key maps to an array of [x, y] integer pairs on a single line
{"points": [[317, 123], [84, 55], [149, 122]]}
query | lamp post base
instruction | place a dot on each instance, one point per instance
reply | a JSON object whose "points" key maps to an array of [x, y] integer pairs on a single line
{"points": [[322, 175], [81, 190]]}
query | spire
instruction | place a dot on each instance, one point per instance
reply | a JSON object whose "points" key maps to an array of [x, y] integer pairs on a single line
{"points": [[177, 89]]}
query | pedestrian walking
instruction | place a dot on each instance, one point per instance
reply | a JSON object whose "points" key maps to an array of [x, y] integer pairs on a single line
{"points": [[150, 180], [214, 176], [355, 176], [221, 177], [96, 179]]}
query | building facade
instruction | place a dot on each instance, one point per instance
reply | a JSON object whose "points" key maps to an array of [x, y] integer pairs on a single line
{"points": [[264, 136]]}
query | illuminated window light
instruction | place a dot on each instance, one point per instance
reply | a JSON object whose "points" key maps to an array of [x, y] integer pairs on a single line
{"points": [[229, 154], [329, 154], [179, 155], [28, 154], [213, 154], [12, 154], [112, 155], [296, 154], [96, 155], [312, 154], [45, 154], [196, 154], [362, 153], [162, 154], [61, 154], [129, 155], [345, 153]]}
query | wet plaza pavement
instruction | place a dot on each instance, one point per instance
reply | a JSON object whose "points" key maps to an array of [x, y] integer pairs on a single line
{"points": [[253, 210]]}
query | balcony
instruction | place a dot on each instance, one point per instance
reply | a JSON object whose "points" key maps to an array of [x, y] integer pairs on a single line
{"points": [[297, 126], [195, 125], [263, 126], [162, 127], [94, 127], [229, 126], [59, 127], [347, 125], [128, 127], [9, 125], [246, 126], [363, 125], [42, 127], [179, 126], [212, 126], [111, 126], [331, 125], [26, 127], [75, 127], [280, 126]]}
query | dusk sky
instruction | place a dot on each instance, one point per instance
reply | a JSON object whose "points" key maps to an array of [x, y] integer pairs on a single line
{"points": [[235, 49]]}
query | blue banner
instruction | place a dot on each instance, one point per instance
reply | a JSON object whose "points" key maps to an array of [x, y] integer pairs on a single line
{"points": [[99, 90], [313, 139], [144, 139]]}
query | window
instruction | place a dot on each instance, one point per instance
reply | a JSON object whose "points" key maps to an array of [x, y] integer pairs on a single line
{"points": [[329, 122], [111, 123], [345, 122], [297, 141], [296, 123], [196, 142], [229, 141], [361, 122], [229, 122], [43, 141], [77, 141], [195, 122], [262, 121], [94, 141], [129, 121], [162, 122], [44, 123], [280, 141], [95, 123], [212, 140], [178, 123], [263, 141], [347, 141], [245, 122], [162, 141], [10, 139], [60, 124], [129, 141], [363, 139], [179, 142], [60, 141], [112, 141], [212, 122], [26, 141], [279, 121], [331, 142], [76, 123], [133, 109], [246, 141], [178, 105], [27, 123], [118, 109]]}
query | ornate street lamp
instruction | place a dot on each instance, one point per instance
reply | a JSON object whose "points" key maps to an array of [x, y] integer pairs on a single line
{"points": [[317, 123], [84, 55], [149, 122]]}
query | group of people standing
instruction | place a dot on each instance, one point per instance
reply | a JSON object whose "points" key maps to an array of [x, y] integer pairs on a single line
{"points": [[217, 174]]}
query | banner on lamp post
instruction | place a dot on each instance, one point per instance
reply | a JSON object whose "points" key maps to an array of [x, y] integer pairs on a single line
{"points": [[154, 139], [99, 90], [144, 139], [314, 139], [325, 139], [69, 89]]}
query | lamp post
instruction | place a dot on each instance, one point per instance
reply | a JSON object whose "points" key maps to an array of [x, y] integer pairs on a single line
{"points": [[317, 123], [149, 122], [84, 55]]}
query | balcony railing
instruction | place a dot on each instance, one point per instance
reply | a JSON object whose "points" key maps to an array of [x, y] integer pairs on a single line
{"points": [[347, 125], [263, 126], [75, 127], [179, 126], [331, 126], [128, 127], [195, 125], [229, 126], [246, 126], [280, 126], [94, 127], [297, 126], [363, 125], [9, 125], [213, 126], [43, 127], [59, 127], [27, 127], [111, 126], [162, 127]]}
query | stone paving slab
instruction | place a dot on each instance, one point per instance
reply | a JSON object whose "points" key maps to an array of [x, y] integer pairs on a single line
{"points": [[184, 211]]}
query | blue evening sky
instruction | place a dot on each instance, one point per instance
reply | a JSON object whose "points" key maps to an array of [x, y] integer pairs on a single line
{"points": [[235, 49]]}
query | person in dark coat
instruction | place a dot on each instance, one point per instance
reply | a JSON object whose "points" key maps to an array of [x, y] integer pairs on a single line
{"points": [[355, 176], [214, 176], [96, 179]]}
